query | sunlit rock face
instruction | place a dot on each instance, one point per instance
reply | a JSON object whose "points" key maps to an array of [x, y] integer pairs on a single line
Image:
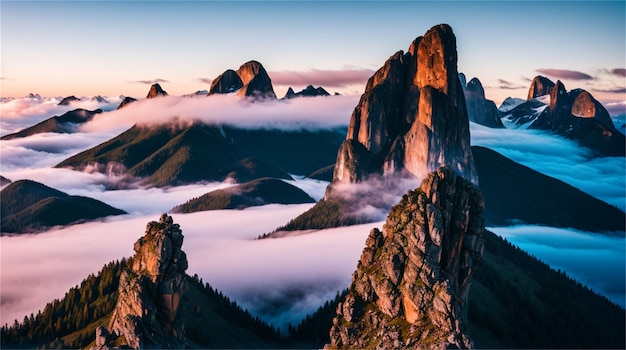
{"points": [[579, 116], [540, 86], [226, 82], [156, 91], [250, 80], [412, 118], [148, 312], [411, 284]]}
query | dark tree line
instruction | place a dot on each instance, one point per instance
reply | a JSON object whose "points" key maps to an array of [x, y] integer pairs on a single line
{"points": [[93, 299]]}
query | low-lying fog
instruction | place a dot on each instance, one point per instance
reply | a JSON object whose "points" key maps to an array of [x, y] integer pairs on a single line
{"points": [[294, 275]]}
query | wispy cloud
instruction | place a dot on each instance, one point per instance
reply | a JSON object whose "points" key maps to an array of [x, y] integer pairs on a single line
{"points": [[565, 74], [320, 77], [205, 80], [507, 85], [617, 90], [150, 82], [620, 72]]}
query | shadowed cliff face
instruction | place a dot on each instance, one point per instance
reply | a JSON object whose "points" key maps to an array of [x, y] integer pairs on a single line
{"points": [[412, 118], [411, 284], [479, 109], [156, 91], [250, 80], [147, 313]]}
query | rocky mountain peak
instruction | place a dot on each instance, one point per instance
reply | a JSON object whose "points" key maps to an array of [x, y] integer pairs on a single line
{"points": [[540, 86], [437, 60], [148, 312], [225, 83], [250, 80], [255, 80], [412, 117], [585, 106], [126, 101], [156, 91], [411, 284], [479, 109], [67, 100]]}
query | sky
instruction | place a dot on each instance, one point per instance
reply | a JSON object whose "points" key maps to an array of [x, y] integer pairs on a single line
{"points": [[112, 48]]}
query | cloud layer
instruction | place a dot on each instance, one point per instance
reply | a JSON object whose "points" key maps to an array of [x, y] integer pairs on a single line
{"points": [[320, 77], [565, 74]]}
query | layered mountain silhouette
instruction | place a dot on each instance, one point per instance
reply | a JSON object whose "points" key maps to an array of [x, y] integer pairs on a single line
{"points": [[126, 101], [250, 80], [63, 124], [67, 100], [309, 91], [254, 193], [516, 194], [173, 154], [4, 181], [29, 206], [575, 114], [479, 109]]}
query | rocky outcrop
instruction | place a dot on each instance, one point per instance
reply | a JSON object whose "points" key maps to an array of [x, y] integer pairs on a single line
{"points": [[225, 83], [256, 82], [126, 101], [309, 91], [411, 285], [156, 91], [579, 116], [148, 312], [412, 118], [479, 109], [250, 80], [67, 100], [540, 86]]}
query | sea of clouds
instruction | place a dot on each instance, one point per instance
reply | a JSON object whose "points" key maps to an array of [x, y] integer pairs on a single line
{"points": [[280, 280]]}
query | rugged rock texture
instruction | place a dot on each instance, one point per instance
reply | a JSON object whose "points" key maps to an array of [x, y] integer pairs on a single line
{"points": [[308, 91], [250, 80], [479, 109], [412, 117], [66, 101], [577, 115], [126, 101], [147, 313], [63, 124], [156, 91], [411, 284], [256, 82], [540, 86], [226, 82]]}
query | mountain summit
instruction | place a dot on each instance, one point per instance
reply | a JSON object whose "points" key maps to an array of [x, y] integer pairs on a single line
{"points": [[412, 117], [156, 91], [411, 284], [148, 312], [250, 80]]}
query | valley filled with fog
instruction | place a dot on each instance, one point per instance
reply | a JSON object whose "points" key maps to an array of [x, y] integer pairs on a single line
{"points": [[281, 280]]}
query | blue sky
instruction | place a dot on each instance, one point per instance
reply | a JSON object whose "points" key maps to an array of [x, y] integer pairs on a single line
{"points": [[112, 47]]}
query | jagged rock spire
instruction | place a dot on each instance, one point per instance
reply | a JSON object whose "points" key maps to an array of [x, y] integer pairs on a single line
{"points": [[148, 312], [411, 284], [156, 91], [412, 117]]}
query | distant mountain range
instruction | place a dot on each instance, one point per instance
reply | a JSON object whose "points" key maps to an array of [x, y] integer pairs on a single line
{"points": [[575, 114], [170, 154], [254, 193], [29, 206], [64, 124]]}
